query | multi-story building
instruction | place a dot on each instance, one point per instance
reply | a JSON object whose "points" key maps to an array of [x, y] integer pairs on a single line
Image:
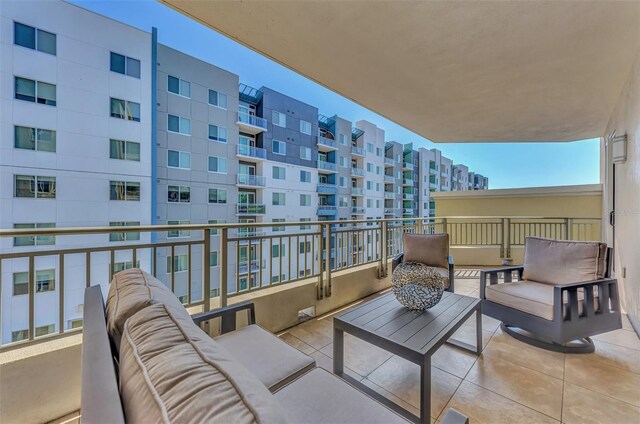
{"points": [[104, 126]]}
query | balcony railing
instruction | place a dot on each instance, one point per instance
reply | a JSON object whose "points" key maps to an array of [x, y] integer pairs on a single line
{"points": [[252, 120], [251, 152], [326, 188], [251, 209], [355, 150], [389, 195], [331, 144], [324, 210], [357, 172], [357, 191], [407, 182], [407, 166], [251, 180], [327, 166], [389, 179], [389, 161], [407, 196], [203, 266], [357, 210]]}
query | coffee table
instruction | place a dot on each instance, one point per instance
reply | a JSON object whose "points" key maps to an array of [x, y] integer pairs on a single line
{"points": [[414, 336]]}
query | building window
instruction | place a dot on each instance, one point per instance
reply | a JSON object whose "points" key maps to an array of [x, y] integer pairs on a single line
{"points": [[35, 187], [305, 176], [369, 185], [378, 170], [217, 133], [45, 280], [305, 200], [279, 173], [279, 147], [125, 65], [43, 330], [74, 323], [369, 203], [178, 233], [121, 266], [343, 139], [305, 247], [177, 159], [20, 283], [180, 263], [33, 38], [217, 99], [343, 162], [344, 202], [124, 236], [277, 250], [305, 127], [179, 194], [343, 182], [378, 151], [125, 190], [378, 203], [213, 259], [179, 125], [369, 167], [34, 240], [178, 86], [215, 231], [217, 164], [279, 119], [124, 150], [305, 227], [279, 227], [19, 335], [278, 199], [124, 109], [305, 153], [35, 91], [34, 139], [369, 147], [218, 196]]}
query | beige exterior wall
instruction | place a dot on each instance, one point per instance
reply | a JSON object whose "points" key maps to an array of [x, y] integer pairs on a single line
{"points": [[626, 120]]}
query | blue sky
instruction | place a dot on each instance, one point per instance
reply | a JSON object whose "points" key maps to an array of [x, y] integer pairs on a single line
{"points": [[507, 165]]}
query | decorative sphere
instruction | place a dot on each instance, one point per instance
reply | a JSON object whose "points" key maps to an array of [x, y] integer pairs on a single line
{"points": [[417, 286]]}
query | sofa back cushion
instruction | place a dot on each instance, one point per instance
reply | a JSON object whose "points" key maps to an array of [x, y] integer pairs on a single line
{"points": [[429, 249], [560, 262], [130, 291], [171, 371]]}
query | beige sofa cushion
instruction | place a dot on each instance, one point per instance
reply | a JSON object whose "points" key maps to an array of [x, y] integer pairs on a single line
{"points": [[531, 297], [171, 371], [131, 291], [429, 249], [559, 262]]}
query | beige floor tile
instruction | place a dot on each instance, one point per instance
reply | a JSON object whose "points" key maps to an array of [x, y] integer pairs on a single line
{"points": [[467, 333], [611, 381], [323, 361], [488, 323], [583, 406], [453, 360], [317, 333], [536, 390], [466, 286], [484, 406], [297, 343], [503, 346], [624, 338], [402, 378], [72, 418], [360, 356], [616, 356], [626, 324], [395, 399]]}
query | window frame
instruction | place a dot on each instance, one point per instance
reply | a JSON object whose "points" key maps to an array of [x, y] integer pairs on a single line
{"points": [[217, 137], [181, 191], [36, 89], [303, 125], [132, 117], [181, 122], [280, 143], [218, 190], [36, 38], [35, 137], [126, 149], [217, 104], [218, 161], [127, 185], [180, 86], [36, 184], [181, 157], [276, 121]]}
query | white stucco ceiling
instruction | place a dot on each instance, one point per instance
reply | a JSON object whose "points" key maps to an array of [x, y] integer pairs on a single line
{"points": [[451, 71]]}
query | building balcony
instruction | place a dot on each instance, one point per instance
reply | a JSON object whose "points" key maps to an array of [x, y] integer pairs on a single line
{"points": [[251, 209], [390, 179], [248, 180], [407, 211], [407, 196], [358, 151], [391, 211], [251, 152], [357, 210], [251, 124], [406, 166], [389, 195], [357, 191], [325, 210], [250, 233], [246, 268], [407, 182], [327, 166], [433, 171], [326, 188], [389, 162], [357, 172], [433, 185], [326, 144]]}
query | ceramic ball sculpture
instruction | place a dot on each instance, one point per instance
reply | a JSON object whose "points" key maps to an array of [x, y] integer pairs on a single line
{"points": [[417, 286]]}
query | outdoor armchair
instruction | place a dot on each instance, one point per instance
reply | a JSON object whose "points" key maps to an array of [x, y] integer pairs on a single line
{"points": [[429, 249]]}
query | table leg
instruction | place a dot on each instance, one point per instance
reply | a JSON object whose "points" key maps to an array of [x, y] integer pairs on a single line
{"points": [[479, 330], [425, 391], [338, 351]]}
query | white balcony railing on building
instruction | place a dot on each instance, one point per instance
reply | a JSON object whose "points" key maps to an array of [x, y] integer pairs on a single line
{"points": [[251, 209], [355, 150], [326, 142], [202, 265], [407, 182], [408, 166], [253, 120], [327, 166], [388, 161], [389, 179], [251, 180], [357, 172], [252, 152], [389, 195], [357, 191], [357, 210]]}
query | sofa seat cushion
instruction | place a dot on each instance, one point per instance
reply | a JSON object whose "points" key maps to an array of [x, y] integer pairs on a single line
{"points": [[272, 360], [560, 262], [429, 249], [532, 297], [131, 291], [171, 371], [444, 273], [321, 397]]}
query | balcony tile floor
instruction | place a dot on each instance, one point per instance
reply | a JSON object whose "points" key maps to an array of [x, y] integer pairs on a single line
{"points": [[511, 382]]}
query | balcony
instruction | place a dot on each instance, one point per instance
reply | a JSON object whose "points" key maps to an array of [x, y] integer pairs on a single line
{"points": [[390, 179], [389, 162], [326, 144], [389, 195], [358, 151], [326, 188], [357, 191], [250, 152], [248, 180], [246, 268], [251, 124], [357, 210], [357, 172], [407, 196], [327, 166], [407, 211], [251, 209], [407, 182], [391, 211], [325, 210], [406, 166]]}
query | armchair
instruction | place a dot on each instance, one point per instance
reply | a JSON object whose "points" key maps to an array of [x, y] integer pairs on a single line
{"points": [[562, 295], [429, 249]]}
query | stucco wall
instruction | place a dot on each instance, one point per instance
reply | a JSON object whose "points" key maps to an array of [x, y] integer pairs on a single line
{"points": [[626, 119]]}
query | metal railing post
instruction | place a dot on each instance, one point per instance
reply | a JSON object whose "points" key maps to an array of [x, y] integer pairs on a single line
{"points": [[569, 229], [320, 263], [382, 272], [327, 262], [444, 225], [419, 226], [206, 270], [506, 238], [224, 257]]}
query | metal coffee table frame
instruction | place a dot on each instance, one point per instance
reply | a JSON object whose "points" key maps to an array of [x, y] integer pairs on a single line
{"points": [[414, 336]]}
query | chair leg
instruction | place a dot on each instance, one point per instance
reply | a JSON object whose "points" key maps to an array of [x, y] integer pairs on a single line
{"points": [[584, 345]]}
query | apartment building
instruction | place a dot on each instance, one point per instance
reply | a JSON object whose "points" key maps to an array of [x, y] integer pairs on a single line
{"points": [[104, 126]]}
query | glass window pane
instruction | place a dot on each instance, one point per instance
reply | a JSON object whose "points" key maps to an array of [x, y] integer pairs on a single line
{"points": [[172, 194], [46, 42], [222, 134], [133, 151], [25, 186], [174, 123], [117, 108], [185, 126], [213, 97], [117, 63], [173, 84], [222, 100], [45, 280], [185, 88], [133, 191], [25, 138], [133, 67], [185, 194], [24, 35], [173, 158], [20, 283], [46, 187], [117, 190], [117, 149], [133, 111], [185, 160], [25, 89], [46, 94], [46, 140]]}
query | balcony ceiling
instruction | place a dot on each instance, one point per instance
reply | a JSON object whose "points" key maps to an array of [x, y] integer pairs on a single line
{"points": [[451, 71]]}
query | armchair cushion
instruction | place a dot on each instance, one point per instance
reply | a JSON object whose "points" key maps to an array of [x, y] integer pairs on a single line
{"points": [[560, 262], [428, 249]]}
